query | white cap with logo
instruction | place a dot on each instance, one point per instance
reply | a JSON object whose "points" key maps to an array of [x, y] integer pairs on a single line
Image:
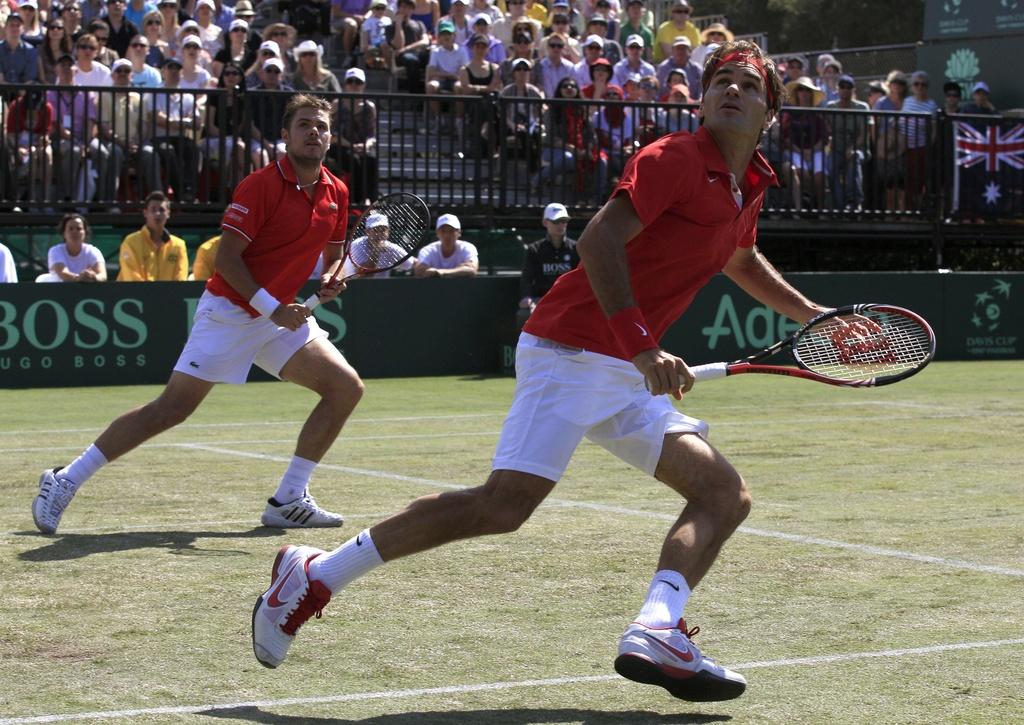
{"points": [[555, 212], [376, 220], [448, 220]]}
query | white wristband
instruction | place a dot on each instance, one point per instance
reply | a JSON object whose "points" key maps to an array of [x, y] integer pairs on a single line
{"points": [[264, 302]]}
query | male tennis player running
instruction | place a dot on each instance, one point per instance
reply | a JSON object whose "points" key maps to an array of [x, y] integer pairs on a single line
{"points": [[685, 209], [281, 220]]}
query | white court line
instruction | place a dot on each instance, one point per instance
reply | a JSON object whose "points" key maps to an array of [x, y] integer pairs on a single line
{"points": [[488, 686], [797, 538]]}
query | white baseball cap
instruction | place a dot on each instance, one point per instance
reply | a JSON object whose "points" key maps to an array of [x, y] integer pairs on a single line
{"points": [[121, 63], [271, 45], [448, 220], [273, 63], [376, 220], [554, 212], [192, 40], [356, 73], [482, 18], [205, 4], [635, 39], [239, 23], [682, 40], [595, 39]]}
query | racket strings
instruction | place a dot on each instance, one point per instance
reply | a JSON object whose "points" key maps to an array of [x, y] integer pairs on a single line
{"points": [[388, 235], [886, 344]]}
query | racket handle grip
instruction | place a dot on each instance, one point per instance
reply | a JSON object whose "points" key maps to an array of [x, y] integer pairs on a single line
{"points": [[312, 301], [711, 371]]}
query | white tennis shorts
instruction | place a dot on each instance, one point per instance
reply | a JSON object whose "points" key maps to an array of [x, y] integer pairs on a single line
{"points": [[225, 342], [565, 393]]}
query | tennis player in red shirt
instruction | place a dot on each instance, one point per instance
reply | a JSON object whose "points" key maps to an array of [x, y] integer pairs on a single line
{"points": [[589, 365], [281, 220]]}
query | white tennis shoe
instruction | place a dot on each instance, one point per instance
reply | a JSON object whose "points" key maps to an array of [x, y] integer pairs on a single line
{"points": [[666, 657], [289, 602], [55, 493], [303, 512]]}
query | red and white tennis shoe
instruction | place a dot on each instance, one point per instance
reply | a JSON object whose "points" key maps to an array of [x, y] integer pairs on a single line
{"points": [[289, 602], [666, 657], [304, 512]]}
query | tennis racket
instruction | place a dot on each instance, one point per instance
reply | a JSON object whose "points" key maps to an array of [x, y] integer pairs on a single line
{"points": [[388, 233], [856, 346]]}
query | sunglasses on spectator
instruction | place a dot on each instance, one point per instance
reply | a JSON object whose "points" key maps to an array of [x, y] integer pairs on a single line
{"points": [[154, 22], [122, 71], [846, 85], [138, 45], [238, 30], [279, 34], [269, 53], [56, 27], [556, 45], [275, 71], [72, 9], [647, 86], [680, 11], [568, 87], [354, 82], [232, 72], [88, 47], [920, 83]]}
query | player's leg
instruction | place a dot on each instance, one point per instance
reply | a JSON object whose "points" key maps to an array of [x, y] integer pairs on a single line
{"points": [[57, 486], [533, 451], [319, 366]]}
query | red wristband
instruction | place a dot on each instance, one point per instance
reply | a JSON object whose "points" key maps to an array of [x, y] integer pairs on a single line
{"points": [[631, 332]]}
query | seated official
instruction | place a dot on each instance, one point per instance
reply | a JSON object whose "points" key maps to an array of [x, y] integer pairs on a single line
{"points": [[152, 254]]}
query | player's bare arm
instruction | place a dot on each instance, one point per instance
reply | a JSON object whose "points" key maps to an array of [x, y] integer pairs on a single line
{"points": [[232, 268], [602, 248], [331, 283], [758, 277]]}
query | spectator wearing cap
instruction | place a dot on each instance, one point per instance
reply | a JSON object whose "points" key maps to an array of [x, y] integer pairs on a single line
{"points": [[796, 66], [609, 11], [592, 48], [804, 137], [117, 136], [680, 60], [136, 11], [427, 12], [311, 74], [636, 25], [851, 134], [411, 44], [876, 91], [75, 112], [615, 129], [600, 78], [553, 67], [122, 30], [235, 48], [523, 127], [546, 259], [32, 31], [87, 71], [981, 103], [952, 95], [268, 108], [919, 136], [820, 64], [458, 16], [373, 37], [19, 61], [495, 48], [143, 75], [679, 23], [710, 38], [446, 60], [484, 6], [598, 26], [210, 32], [57, 43], [357, 138], [560, 26], [372, 247], [449, 256], [267, 49], [284, 35], [502, 28], [175, 120], [577, 22], [193, 74], [633, 63], [522, 49], [346, 20]]}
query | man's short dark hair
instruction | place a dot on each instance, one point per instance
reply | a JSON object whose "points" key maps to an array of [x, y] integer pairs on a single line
{"points": [[97, 24], [303, 100], [157, 196]]}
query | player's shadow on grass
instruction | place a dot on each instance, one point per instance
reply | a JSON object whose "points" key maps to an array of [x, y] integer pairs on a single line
{"points": [[77, 546], [515, 716]]}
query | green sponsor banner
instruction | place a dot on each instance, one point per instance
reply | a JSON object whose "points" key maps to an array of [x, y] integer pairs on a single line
{"points": [[969, 60], [57, 335], [972, 18]]}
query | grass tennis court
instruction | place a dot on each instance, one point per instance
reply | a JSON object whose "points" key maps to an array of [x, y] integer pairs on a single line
{"points": [[879, 578]]}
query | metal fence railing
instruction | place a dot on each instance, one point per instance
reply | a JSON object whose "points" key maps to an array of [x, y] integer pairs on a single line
{"points": [[484, 155]]}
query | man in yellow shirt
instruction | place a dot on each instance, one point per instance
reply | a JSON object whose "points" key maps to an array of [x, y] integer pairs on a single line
{"points": [[206, 254], [152, 254], [678, 24]]}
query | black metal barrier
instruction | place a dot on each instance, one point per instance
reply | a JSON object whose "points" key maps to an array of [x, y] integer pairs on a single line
{"points": [[107, 147], [128, 333]]}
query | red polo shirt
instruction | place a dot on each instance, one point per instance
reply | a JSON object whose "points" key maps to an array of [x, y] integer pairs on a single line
{"points": [[680, 188], [287, 231]]}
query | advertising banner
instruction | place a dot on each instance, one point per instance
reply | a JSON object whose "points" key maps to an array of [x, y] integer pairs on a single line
{"points": [[972, 18]]}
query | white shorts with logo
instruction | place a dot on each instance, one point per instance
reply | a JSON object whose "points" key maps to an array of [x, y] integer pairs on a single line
{"points": [[564, 394], [225, 342]]}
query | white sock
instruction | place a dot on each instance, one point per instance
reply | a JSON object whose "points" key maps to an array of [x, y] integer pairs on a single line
{"points": [[82, 468], [295, 480], [336, 569], [666, 600]]}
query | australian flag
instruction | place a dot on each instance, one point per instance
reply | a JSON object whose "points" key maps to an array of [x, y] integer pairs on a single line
{"points": [[989, 172]]}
